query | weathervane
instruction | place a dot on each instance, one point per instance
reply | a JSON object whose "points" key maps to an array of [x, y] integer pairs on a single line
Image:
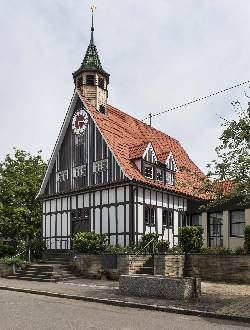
{"points": [[93, 8]]}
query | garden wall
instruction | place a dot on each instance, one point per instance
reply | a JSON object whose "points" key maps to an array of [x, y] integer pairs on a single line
{"points": [[224, 268], [91, 265], [6, 270]]}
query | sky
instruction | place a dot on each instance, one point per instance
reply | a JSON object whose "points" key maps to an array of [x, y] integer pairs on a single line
{"points": [[159, 54]]}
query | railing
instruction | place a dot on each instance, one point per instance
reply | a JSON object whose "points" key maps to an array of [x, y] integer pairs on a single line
{"points": [[143, 248]]}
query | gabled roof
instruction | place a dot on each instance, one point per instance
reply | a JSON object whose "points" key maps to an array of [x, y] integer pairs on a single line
{"points": [[128, 137]]}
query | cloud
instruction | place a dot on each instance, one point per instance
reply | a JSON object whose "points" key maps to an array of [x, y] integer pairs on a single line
{"points": [[158, 55]]}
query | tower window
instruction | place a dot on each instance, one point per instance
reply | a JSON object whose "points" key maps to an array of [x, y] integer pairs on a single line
{"points": [[90, 79], [101, 82], [79, 81], [102, 109]]}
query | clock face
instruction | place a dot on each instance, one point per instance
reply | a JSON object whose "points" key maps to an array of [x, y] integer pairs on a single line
{"points": [[79, 122]]}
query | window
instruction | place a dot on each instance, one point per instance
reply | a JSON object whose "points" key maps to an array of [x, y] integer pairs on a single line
{"points": [[100, 166], [62, 176], [102, 109], [101, 82], [148, 171], [168, 218], [237, 223], [90, 79], [79, 171], [196, 220], [150, 216], [159, 174], [79, 81], [170, 178], [215, 225]]}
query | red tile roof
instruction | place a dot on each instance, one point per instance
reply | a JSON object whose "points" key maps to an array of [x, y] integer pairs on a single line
{"points": [[128, 138]]}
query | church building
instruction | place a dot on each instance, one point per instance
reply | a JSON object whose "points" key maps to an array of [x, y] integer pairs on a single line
{"points": [[113, 174]]}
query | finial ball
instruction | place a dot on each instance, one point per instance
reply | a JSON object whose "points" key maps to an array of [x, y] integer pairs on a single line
{"points": [[93, 8]]}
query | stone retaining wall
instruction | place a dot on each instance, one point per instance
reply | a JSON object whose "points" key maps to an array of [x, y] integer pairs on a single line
{"points": [[221, 268], [6, 270], [91, 265]]}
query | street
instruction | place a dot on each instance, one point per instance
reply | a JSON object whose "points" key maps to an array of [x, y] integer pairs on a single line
{"points": [[27, 311]]}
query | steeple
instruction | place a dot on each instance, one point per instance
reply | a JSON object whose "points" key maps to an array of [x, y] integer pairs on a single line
{"points": [[90, 78]]}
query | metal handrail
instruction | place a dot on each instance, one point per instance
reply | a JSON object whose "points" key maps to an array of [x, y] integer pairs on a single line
{"points": [[130, 261]]}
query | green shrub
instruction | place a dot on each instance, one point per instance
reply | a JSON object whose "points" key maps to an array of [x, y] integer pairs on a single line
{"points": [[12, 261], [216, 250], [146, 244], [162, 246], [240, 250], [7, 251], [247, 239], [90, 242], [118, 249], [191, 239], [176, 249]]}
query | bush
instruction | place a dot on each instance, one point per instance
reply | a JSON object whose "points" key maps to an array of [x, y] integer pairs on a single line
{"points": [[176, 249], [191, 239], [12, 261], [162, 246], [36, 247], [240, 250], [118, 249], [247, 239], [7, 251], [146, 242], [216, 250], [90, 242]]}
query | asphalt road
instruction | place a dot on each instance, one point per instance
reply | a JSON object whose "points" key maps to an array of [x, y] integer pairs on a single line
{"points": [[27, 311]]}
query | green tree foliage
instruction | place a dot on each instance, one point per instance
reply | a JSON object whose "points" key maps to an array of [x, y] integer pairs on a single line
{"points": [[191, 239], [233, 159], [90, 242], [232, 164], [20, 180], [247, 239]]}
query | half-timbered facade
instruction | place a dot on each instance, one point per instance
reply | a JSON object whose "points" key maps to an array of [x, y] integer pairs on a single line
{"points": [[113, 174]]}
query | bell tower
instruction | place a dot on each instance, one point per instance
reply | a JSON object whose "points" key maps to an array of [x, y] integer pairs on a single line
{"points": [[90, 78]]}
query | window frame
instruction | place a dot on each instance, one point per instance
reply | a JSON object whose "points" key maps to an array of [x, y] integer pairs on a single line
{"points": [[236, 223], [169, 211], [152, 210], [88, 80]]}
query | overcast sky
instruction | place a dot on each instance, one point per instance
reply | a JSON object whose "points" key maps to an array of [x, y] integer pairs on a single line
{"points": [[159, 54]]}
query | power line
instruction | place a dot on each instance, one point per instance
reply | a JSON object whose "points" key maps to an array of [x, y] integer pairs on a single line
{"points": [[194, 101]]}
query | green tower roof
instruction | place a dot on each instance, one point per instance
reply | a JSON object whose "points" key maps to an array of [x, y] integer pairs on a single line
{"points": [[91, 59]]}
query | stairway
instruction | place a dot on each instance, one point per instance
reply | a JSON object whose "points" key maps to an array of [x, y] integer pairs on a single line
{"points": [[147, 268], [54, 269]]}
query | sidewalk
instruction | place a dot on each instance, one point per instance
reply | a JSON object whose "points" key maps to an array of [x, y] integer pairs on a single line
{"points": [[230, 301]]}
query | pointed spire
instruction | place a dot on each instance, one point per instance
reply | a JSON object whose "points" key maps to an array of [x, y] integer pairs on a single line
{"points": [[93, 8], [91, 59]]}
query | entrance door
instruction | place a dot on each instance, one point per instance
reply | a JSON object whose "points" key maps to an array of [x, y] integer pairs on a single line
{"points": [[81, 221], [215, 226]]}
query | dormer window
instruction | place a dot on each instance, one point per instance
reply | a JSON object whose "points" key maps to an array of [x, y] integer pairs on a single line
{"points": [[148, 171], [101, 82], [159, 174], [90, 79]]}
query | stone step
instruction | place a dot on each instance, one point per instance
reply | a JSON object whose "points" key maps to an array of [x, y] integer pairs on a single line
{"points": [[146, 270], [27, 278]]}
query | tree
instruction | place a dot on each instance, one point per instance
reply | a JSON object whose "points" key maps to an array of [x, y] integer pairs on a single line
{"points": [[20, 179], [229, 175], [233, 161]]}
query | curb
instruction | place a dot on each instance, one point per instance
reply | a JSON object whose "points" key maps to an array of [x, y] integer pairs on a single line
{"points": [[121, 303]]}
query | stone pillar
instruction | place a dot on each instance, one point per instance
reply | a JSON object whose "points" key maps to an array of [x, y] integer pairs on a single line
{"points": [[170, 265], [204, 226], [226, 228], [247, 217]]}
